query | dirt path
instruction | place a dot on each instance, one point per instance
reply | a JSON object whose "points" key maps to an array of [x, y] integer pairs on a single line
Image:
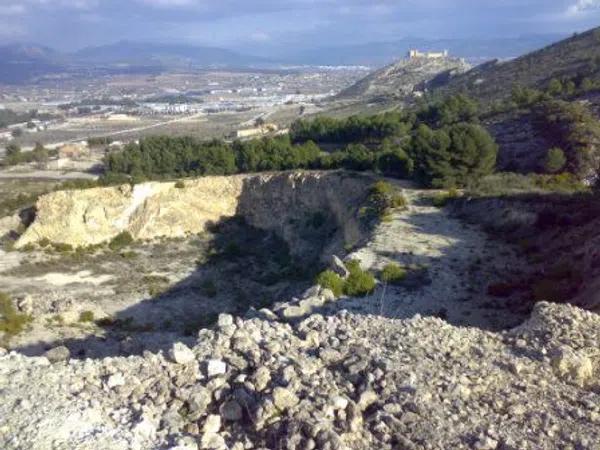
{"points": [[458, 262]]}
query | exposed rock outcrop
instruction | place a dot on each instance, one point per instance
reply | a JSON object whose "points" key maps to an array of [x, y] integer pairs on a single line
{"points": [[290, 204], [340, 382], [403, 77]]}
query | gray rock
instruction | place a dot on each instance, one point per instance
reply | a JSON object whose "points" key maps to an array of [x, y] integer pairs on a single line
{"points": [[181, 354], [573, 366], [284, 399], [199, 400], [231, 410], [58, 354], [212, 424], [338, 266], [261, 378]]}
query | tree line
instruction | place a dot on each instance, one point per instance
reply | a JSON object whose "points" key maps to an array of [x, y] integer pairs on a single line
{"points": [[440, 145]]}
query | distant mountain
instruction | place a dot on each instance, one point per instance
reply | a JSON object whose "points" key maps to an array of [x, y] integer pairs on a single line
{"points": [[575, 57], [381, 53], [166, 55], [401, 78], [22, 62]]}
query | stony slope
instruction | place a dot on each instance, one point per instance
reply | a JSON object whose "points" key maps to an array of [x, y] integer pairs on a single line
{"points": [[340, 382], [402, 78], [568, 58]]}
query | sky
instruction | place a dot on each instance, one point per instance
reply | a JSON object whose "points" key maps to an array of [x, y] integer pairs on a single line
{"points": [[277, 24]]}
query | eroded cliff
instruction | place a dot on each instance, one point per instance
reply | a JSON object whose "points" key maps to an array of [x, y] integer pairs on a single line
{"points": [[290, 204]]}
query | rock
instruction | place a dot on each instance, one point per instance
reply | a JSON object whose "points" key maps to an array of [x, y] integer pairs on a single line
{"points": [[25, 305], [213, 441], [313, 291], [328, 295], [199, 400], [366, 399], [185, 443], [284, 399], [181, 354], [115, 380], [486, 443], [338, 266], [573, 366], [144, 429], [231, 410], [58, 354], [261, 378], [215, 367], [212, 424], [339, 402], [225, 320], [294, 312]]}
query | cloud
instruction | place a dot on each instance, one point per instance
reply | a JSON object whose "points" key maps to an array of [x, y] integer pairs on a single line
{"points": [[582, 7], [168, 3], [260, 36], [12, 10]]}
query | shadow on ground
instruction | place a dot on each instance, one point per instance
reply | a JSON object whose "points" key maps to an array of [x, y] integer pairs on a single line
{"points": [[452, 283]]}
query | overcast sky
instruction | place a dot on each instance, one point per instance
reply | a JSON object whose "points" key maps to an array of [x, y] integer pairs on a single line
{"points": [[70, 24]]}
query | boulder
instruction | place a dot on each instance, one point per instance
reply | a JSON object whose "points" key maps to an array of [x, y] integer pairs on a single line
{"points": [[573, 366], [58, 354], [181, 354]]}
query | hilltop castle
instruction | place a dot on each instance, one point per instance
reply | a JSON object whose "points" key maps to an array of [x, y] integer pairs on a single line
{"points": [[432, 55]]}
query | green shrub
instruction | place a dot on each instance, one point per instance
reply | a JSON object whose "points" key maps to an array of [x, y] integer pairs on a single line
{"points": [[507, 183], [44, 242], [359, 283], [393, 274], [120, 241], [382, 199], [331, 280], [61, 247], [11, 322], [180, 184], [399, 201], [555, 160], [86, 316], [440, 200]]}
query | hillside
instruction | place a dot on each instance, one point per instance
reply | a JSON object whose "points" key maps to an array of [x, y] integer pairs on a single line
{"points": [[576, 57], [403, 77], [22, 62], [143, 53]]}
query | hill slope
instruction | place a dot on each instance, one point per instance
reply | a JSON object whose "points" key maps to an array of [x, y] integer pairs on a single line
{"points": [[142, 53], [402, 77], [22, 62], [574, 57]]}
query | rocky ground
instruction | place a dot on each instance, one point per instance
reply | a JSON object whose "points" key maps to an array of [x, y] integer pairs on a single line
{"points": [[432, 363], [346, 381], [450, 265]]}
